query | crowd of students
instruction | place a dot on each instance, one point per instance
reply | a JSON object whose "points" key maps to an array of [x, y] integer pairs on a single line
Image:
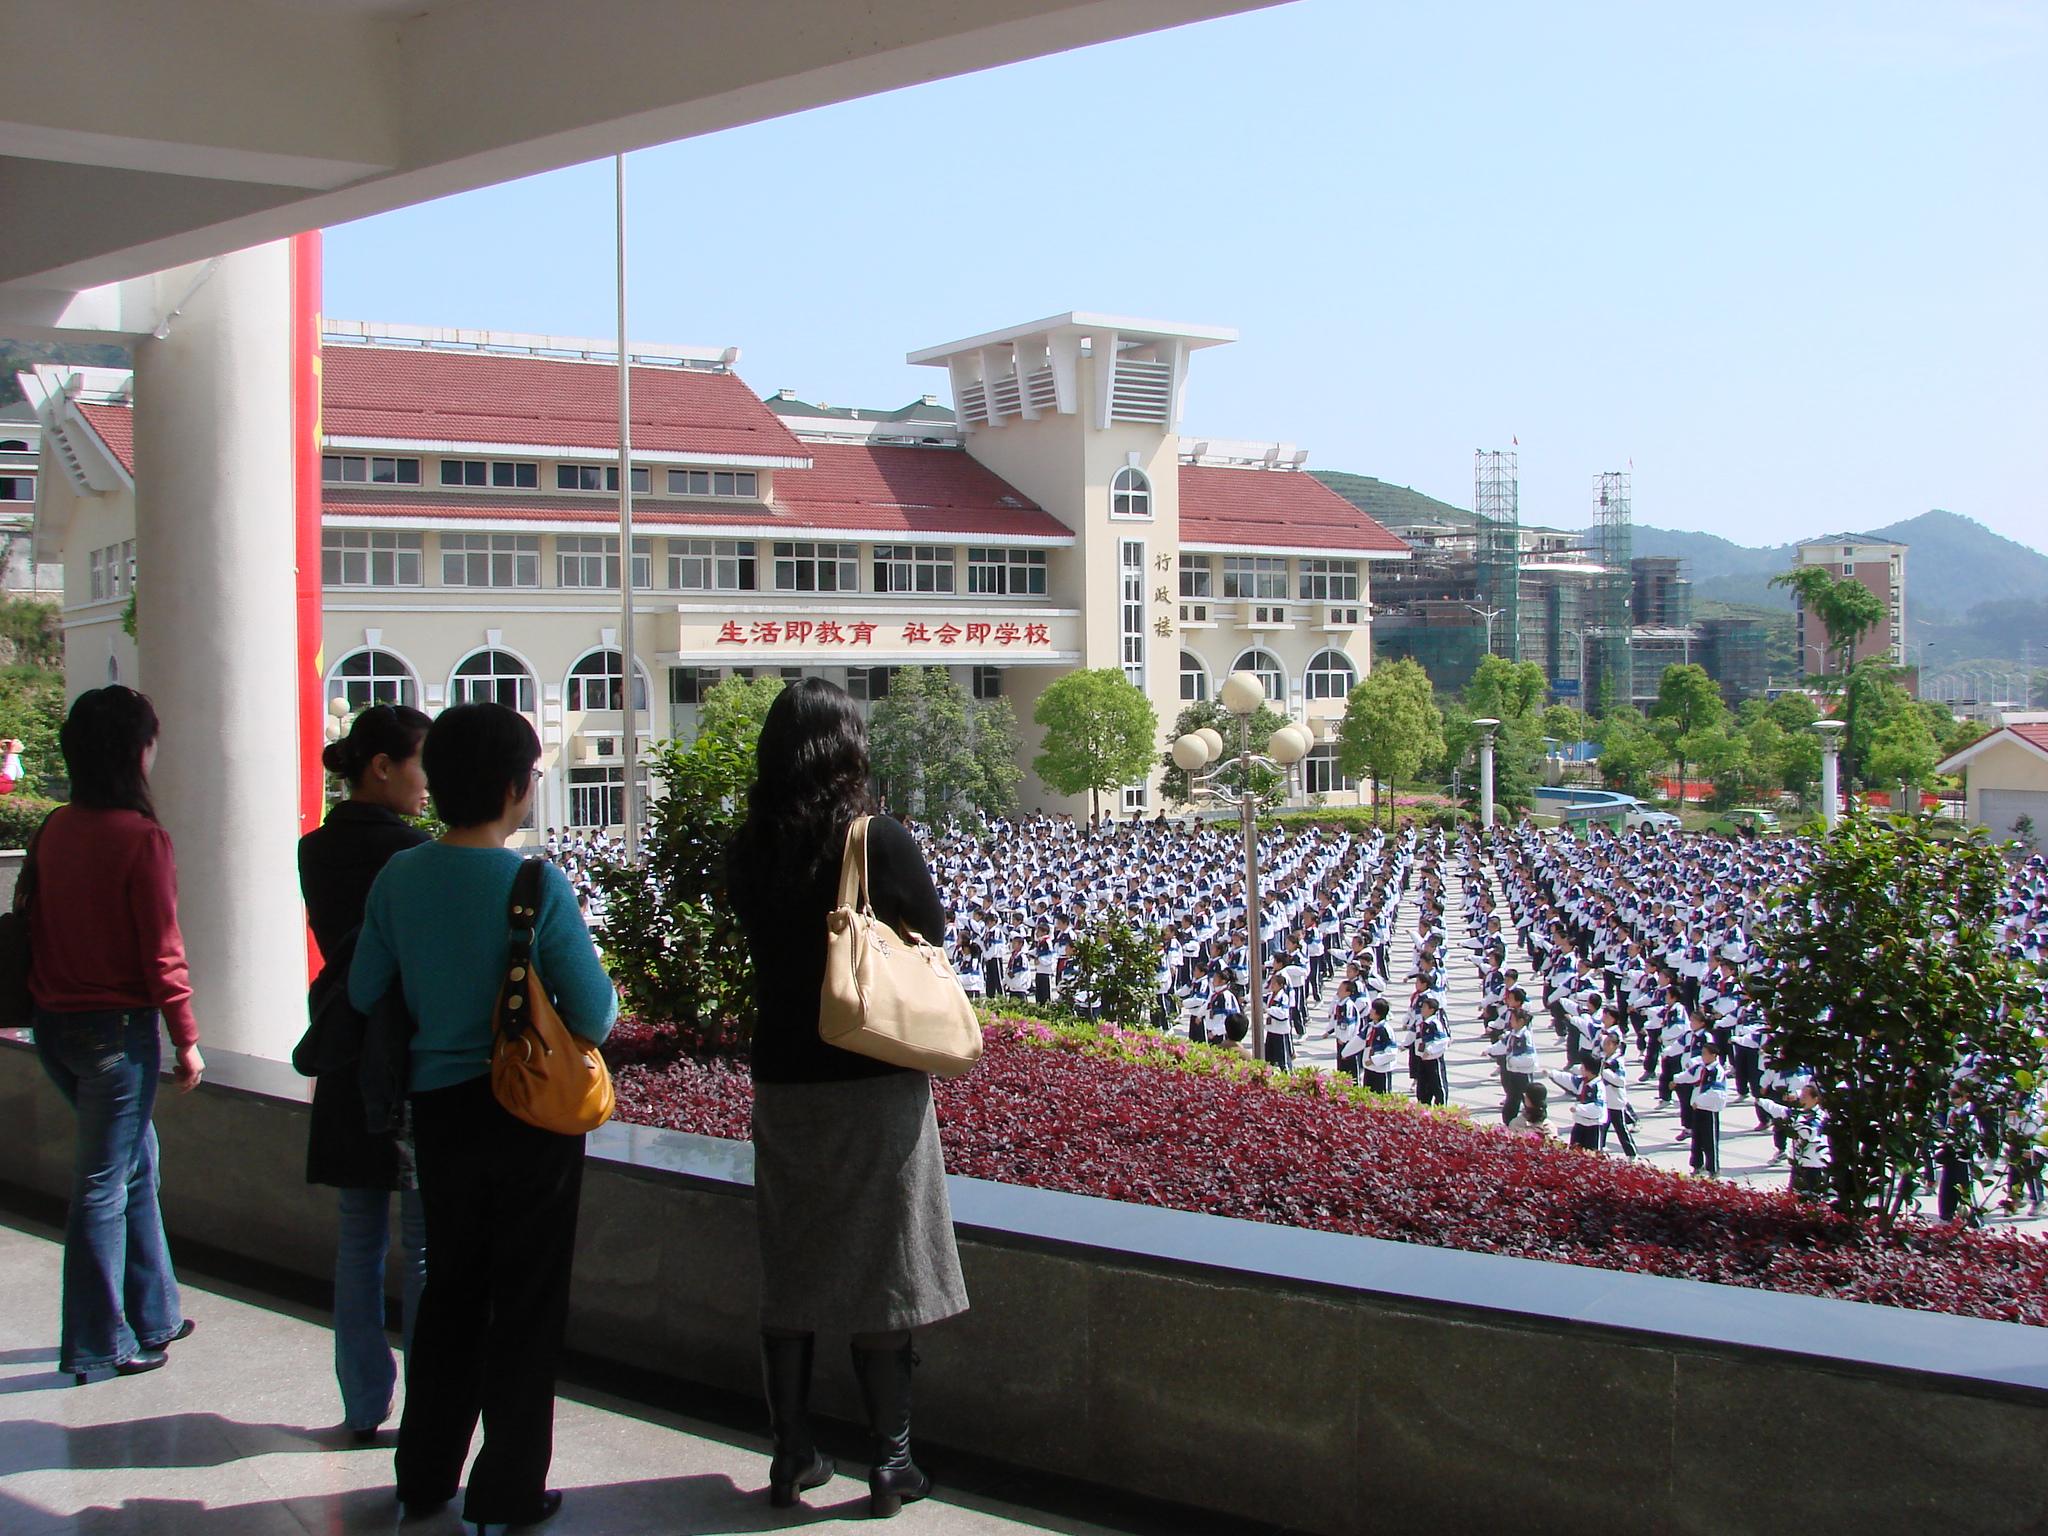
{"points": [[1608, 967]]}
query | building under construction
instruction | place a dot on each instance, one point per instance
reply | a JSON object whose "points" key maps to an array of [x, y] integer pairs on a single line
{"points": [[1601, 622]]}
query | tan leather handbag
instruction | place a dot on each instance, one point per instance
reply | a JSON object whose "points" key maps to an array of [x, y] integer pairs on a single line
{"points": [[541, 1072], [890, 995]]}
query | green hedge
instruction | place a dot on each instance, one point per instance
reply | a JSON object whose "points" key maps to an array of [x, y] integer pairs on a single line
{"points": [[1364, 817], [20, 815]]}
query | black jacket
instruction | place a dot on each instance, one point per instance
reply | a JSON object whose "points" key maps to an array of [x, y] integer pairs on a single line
{"points": [[786, 934], [337, 864]]}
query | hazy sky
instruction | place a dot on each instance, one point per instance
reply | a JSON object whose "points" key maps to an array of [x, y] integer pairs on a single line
{"points": [[1789, 259]]}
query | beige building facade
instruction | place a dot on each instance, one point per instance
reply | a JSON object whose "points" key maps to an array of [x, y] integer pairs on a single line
{"points": [[1055, 518]]}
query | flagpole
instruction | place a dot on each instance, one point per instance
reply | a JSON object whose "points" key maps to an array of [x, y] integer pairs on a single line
{"points": [[629, 670]]}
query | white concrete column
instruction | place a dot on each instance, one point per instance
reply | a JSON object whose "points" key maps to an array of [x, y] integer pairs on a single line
{"points": [[1486, 730], [1830, 770], [216, 629]]}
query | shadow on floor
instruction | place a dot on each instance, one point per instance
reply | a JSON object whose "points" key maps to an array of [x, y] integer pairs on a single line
{"points": [[169, 1440]]}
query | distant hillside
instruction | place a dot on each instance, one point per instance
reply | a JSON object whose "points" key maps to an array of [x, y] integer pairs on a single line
{"points": [[1969, 592], [22, 356]]}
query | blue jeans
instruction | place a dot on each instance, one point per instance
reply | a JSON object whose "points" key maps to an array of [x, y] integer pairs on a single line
{"points": [[362, 1356], [120, 1294]]}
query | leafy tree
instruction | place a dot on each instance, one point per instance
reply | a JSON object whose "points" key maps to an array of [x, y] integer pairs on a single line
{"points": [[1722, 756], [993, 746], [1116, 962], [1517, 749], [1845, 607], [31, 634], [1631, 754], [1506, 690], [1269, 786], [670, 937], [1766, 741], [734, 709], [1391, 727], [1887, 973], [1100, 734], [1688, 703], [1563, 723], [1903, 750], [921, 745], [1793, 711], [1871, 699]]}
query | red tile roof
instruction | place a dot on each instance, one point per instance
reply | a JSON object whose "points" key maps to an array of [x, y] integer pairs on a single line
{"points": [[115, 425], [1274, 509], [466, 397], [2033, 732], [850, 488]]}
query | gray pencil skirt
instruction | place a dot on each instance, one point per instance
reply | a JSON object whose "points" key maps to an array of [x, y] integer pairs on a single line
{"points": [[850, 1189]]}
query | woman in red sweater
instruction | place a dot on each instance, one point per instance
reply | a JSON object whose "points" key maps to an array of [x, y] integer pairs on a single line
{"points": [[107, 963]]}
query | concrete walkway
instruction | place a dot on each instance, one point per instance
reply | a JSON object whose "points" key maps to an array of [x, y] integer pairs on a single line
{"points": [[237, 1437]]}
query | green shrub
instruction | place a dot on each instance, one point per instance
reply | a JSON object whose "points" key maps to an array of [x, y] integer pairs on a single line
{"points": [[20, 815]]}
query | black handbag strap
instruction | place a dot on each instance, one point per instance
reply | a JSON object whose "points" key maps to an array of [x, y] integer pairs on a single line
{"points": [[522, 915]]}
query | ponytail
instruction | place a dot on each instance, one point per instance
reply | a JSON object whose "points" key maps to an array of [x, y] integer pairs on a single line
{"points": [[382, 730]]}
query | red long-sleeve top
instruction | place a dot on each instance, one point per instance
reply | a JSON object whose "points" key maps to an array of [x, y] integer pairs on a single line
{"points": [[104, 925]]}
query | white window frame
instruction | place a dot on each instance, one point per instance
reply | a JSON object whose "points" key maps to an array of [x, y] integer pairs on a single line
{"points": [[1197, 578], [605, 783], [96, 584], [1134, 799], [491, 474], [507, 667], [740, 484], [997, 571], [1199, 674], [1323, 677], [586, 549], [362, 691], [577, 685], [1255, 578], [1319, 772], [368, 469], [1275, 695], [1328, 581], [594, 477], [1131, 620], [794, 559], [364, 550], [914, 568], [467, 556], [1130, 495]]}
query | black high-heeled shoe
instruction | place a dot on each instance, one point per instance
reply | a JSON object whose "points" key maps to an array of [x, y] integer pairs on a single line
{"points": [[893, 1478], [140, 1363], [797, 1465]]}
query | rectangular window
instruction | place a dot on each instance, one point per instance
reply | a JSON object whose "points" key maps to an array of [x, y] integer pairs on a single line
{"points": [[490, 560], [807, 567], [97, 561], [371, 558], [588, 561], [689, 567], [688, 685], [868, 684], [732, 565], [499, 474], [1131, 562], [597, 796], [599, 477], [17, 487], [913, 568], [1134, 799], [1329, 581], [128, 562], [1319, 772], [358, 469], [1006, 572], [988, 682], [704, 482], [1261, 578], [1195, 576]]}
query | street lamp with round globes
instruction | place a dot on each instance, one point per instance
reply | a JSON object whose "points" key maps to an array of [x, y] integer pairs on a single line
{"points": [[1242, 694], [338, 706]]}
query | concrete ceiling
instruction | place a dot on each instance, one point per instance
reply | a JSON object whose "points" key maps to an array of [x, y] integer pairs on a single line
{"points": [[134, 138]]}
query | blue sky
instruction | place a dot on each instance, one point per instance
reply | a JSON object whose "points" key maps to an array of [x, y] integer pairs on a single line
{"points": [[1788, 259]]}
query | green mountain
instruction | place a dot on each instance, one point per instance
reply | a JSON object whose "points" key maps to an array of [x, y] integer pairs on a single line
{"points": [[1390, 503], [22, 356]]}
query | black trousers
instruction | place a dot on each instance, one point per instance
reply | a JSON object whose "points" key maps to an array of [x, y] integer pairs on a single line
{"points": [[1586, 1137], [501, 1199], [1749, 1067], [1617, 1125], [1706, 1143], [1378, 1082], [1516, 1084], [1432, 1081], [1685, 1112]]}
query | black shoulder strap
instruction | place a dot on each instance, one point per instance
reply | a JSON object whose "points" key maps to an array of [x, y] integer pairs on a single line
{"points": [[525, 907]]}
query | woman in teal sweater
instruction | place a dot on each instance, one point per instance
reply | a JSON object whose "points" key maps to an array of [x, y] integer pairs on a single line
{"points": [[500, 1194]]}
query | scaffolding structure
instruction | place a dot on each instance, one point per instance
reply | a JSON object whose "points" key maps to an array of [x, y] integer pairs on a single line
{"points": [[1497, 500], [1610, 655]]}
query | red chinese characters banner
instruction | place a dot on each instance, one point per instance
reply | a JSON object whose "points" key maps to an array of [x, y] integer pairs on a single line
{"points": [[853, 636]]}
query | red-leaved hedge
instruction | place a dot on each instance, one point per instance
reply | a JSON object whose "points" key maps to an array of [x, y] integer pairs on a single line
{"points": [[1041, 1111]]}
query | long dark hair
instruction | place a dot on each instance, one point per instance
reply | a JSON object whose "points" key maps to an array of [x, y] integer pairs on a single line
{"points": [[382, 730], [103, 739], [810, 781]]}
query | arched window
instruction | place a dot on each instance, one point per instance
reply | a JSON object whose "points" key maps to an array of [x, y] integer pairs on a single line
{"points": [[113, 670], [369, 677], [1330, 675], [1270, 672], [492, 677], [1194, 679], [595, 682], [13, 445], [1130, 493]]}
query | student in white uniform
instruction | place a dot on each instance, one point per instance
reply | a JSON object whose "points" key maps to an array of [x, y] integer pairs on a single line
{"points": [[1583, 1087], [1427, 1064], [1382, 1052]]}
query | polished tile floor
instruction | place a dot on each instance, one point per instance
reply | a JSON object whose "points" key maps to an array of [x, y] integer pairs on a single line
{"points": [[236, 1437]]}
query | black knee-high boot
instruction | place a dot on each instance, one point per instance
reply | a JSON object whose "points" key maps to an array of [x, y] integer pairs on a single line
{"points": [[786, 1375], [884, 1376]]}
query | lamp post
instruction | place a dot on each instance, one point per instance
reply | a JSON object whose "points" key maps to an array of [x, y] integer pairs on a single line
{"points": [[1821, 652], [1830, 770], [1242, 695], [1488, 614], [1486, 730]]}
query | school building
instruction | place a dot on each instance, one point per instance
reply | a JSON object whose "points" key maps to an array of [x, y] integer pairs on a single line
{"points": [[1055, 516]]}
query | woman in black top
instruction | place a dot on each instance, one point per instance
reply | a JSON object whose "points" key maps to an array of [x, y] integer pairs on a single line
{"points": [[850, 1191], [380, 761]]}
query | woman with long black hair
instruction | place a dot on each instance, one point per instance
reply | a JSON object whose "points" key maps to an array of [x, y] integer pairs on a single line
{"points": [[379, 760], [107, 964], [855, 1229]]}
